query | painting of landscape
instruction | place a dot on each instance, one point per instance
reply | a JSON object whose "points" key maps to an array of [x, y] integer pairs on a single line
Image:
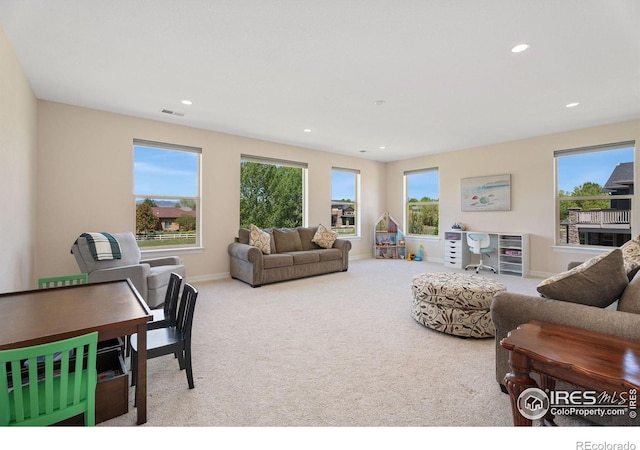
{"points": [[491, 193]]}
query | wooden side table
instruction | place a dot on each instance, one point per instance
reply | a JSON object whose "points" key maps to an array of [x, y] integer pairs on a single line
{"points": [[586, 359]]}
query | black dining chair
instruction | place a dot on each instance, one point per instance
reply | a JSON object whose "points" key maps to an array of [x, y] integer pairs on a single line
{"points": [[172, 340], [165, 317]]}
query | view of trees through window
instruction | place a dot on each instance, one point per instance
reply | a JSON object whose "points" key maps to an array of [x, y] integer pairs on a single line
{"points": [[271, 194], [166, 192], [422, 202], [594, 197]]}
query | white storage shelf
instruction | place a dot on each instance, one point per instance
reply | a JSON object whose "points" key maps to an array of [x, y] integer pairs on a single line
{"points": [[512, 254]]}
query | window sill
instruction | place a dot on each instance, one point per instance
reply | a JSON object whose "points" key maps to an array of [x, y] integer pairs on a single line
{"points": [[422, 237], [594, 250], [161, 252]]}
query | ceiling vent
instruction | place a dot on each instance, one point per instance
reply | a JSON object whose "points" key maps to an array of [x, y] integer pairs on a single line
{"points": [[173, 113]]}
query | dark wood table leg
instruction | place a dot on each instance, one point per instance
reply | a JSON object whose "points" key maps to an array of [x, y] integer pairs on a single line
{"points": [[548, 384], [516, 382], [141, 381]]}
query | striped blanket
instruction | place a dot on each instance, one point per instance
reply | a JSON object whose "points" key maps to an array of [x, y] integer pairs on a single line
{"points": [[103, 246]]}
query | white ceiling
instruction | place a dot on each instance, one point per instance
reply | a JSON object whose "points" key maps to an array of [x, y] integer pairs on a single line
{"points": [[271, 68]]}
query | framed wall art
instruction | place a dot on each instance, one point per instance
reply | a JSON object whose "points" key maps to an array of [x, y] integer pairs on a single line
{"points": [[492, 193]]}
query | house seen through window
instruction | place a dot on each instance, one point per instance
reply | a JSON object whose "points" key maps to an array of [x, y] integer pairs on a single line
{"points": [[422, 209], [344, 206], [167, 194], [595, 188]]}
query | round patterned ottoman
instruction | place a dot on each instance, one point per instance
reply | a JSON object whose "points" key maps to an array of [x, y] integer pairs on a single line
{"points": [[455, 303]]}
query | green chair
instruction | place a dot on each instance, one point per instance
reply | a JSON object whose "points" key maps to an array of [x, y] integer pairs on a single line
{"points": [[69, 280], [48, 383]]}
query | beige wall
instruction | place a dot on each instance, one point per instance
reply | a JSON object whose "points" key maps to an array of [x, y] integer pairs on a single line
{"points": [[79, 178], [531, 165], [17, 175], [85, 167]]}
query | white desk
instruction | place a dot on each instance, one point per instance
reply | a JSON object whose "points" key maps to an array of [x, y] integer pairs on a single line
{"points": [[511, 255]]}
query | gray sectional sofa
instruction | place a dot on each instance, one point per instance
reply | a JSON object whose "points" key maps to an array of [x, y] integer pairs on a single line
{"points": [[293, 254], [584, 296]]}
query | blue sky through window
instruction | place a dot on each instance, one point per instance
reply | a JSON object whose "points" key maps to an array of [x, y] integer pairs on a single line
{"points": [[343, 185], [423, 184], [577, 169], [160, 172]]}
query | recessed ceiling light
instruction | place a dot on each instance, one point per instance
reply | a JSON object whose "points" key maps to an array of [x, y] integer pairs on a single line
{"points": [[363, 151], [187, 102], [307, 130], [379, 102], [383, 148], [572, 105], [520, 48]]}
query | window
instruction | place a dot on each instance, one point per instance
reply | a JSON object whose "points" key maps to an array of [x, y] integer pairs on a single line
{"points": [[594, 195], [422, 194], [272, 193], [166, 189], [344, 206]]}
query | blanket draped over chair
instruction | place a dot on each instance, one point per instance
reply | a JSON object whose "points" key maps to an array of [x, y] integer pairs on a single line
{"points": [[103, 246]]}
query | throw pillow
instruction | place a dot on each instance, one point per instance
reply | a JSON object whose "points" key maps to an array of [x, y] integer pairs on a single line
{"points": [[325, 237], [631, 256], [630, 300], [597, 282], [261, 239]]}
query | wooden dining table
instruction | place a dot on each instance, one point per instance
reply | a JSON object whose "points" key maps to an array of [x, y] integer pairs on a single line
{"points": [[113, 309]]}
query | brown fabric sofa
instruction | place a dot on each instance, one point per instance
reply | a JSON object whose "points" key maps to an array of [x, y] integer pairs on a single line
{"points": [[509, 310], [293, 255]]}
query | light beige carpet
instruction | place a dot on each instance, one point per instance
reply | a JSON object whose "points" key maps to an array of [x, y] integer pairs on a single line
{"points": [[338, 350]]}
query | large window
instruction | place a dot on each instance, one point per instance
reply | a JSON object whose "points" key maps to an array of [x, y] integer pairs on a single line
{"points": [[272, 193], [344, 204], [594, 195], [166, 187], [422, 194]]}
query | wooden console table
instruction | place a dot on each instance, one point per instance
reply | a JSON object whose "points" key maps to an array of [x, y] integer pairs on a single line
{"points": [[589, 360]]}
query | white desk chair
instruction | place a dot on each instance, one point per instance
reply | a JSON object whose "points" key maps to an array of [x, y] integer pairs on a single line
{"points": [[480, 244]]}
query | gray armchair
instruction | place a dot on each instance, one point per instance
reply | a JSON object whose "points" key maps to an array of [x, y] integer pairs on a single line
{"points": [[150, 277]]}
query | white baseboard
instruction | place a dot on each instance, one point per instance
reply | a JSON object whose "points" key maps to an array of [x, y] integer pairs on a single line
{"points": [[209, 277]]}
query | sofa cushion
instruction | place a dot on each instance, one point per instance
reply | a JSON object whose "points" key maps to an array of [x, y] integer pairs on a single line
{"points": [[306, 237], [597, 282], [325, 237], [631, 256], [261, 239], [305, 257], [277, 260], [287, 240], [630, 299], [329, 254], [243, 236]]}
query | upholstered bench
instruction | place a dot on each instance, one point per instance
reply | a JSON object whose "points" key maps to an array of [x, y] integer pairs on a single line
{"points": [[455, 303]]}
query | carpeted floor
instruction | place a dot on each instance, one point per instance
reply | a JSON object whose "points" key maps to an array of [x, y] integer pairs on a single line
{"points": [[338, 350]]}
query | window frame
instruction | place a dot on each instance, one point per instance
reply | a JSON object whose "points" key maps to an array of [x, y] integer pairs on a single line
{"points": [[163, 146], [561, 241], [355, 203], [407, 216]]}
